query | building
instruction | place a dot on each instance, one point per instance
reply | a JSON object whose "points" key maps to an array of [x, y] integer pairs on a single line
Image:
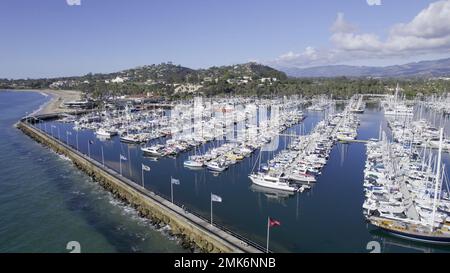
{"points": [[79, 104]]}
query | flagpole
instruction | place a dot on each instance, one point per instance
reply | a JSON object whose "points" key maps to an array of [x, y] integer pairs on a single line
{"points": [[211, 212], [103, 158], [142, 170], [67, 137], [130, 170], [171, 189], [77, 142], [59, 134], [120, 164], [268, 232], [89, 149]]}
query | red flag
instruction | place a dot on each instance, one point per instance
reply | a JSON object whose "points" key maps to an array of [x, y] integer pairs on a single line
{"points": [[274, 223]]}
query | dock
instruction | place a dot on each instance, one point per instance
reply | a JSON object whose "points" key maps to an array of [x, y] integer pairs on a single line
{"points": [[356, 141], [190, 226]]}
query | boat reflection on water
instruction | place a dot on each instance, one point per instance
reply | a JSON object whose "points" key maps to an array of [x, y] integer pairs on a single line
{"points": [[192, 168], [389, 243], [151, 158], [272, 194]]}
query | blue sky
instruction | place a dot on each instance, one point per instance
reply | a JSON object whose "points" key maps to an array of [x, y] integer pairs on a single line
{"points": [[51, 38]]}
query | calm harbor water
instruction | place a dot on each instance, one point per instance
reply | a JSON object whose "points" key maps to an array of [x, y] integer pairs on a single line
{"points": [[45, 202], [326, 219]]}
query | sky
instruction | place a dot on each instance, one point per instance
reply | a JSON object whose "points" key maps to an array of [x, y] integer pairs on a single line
{"points": [[52, 38]]}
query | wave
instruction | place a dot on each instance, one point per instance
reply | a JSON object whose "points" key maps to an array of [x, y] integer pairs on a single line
{"points": [[131, 212], [63, 157], [125, 209], [43, 105]]}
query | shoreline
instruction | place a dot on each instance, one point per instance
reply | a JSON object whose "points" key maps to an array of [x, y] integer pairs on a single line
{"points": [[194, 232], [55, 103]]}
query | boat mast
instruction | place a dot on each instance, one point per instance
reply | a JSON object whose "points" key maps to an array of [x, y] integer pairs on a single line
{"points": [[438, 170]]}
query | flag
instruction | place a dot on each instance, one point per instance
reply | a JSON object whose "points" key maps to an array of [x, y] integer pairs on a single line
{"points": [[91, 142], [175, 181], [273, 222], [216, 198], [122, 157], [145, 168]]}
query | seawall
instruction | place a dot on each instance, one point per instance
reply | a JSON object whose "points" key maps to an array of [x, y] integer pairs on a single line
{"points": [[192, 229]]}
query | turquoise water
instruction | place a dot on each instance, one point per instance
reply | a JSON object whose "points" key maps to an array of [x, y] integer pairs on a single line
{"points": [[45, 202]]}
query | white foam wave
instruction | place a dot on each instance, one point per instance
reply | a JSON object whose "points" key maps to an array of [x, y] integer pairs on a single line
{"points": [[129, 211], [64, 157]]}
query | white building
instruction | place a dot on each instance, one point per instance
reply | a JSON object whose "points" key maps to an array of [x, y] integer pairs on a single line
{"points": [[187, 88], [118, 80]]}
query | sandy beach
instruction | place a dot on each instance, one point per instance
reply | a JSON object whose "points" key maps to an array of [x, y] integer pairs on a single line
{"points": [[58, 97]]}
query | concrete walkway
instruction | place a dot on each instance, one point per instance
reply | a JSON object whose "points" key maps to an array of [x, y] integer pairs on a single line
{"points": [[232, 240]]}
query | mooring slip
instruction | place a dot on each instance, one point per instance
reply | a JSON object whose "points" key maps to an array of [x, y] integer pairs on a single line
{"points": [[195, 229]]}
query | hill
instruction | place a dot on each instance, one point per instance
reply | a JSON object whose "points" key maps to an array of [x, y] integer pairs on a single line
{"points": [[423, 69]]}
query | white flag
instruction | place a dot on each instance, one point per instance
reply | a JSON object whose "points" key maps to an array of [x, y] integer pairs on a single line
{"points": [[145, 168], [122, 157], [216, 198], [175, 181]]}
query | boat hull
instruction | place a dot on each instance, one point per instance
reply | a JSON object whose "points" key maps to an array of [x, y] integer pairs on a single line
{"points": [[193, 165], [441, 240], [151, 153], [103, 134], [216, 169], [130, 141], [262, 183]]}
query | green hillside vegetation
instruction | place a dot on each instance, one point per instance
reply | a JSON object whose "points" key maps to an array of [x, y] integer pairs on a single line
{"points": [[248, 79]]}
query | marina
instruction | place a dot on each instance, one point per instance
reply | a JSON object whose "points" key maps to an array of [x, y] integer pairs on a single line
{"points": [[406, 187], [242, 129], [405, 195], [310, 155]]}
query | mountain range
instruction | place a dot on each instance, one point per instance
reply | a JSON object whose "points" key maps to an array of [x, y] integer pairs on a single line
{"points": [[423, 69]]}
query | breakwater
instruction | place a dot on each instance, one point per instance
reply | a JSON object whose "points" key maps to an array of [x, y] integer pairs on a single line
{"points": [[191, 228]]}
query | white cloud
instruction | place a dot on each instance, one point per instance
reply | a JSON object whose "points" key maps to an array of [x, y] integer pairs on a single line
{"points": [[340, 25], [309, 56], [432, 22], [347, 38], [374, 2], [289, 56], [73, 2], [426, 33]]}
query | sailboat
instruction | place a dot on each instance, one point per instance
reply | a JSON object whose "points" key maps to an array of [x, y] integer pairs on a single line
{"points": [[433, 228], [194, 161]]}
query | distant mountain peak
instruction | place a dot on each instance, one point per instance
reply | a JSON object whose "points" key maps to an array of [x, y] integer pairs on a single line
{"points": [[427, 68]]}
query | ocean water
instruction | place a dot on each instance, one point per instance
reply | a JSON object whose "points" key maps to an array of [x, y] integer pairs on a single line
{"points": [[45, 202], [326, 219]]}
